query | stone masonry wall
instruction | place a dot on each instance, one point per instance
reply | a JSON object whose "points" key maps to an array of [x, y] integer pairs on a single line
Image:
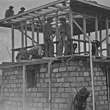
{"points": [[67, 79]]}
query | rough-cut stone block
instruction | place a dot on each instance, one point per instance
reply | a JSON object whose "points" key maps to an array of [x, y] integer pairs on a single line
{"points": [[58, 75], [43, 100], [84, 84], [72, 68], [86, 73], [42, 70], [76, 74], [37, 99], [68, 79], [65, 74], [60, 79], [12, 94], [80, 79], [61, 69], [87, 78], [66, 95], [13, 85], [60, 89], [12, 77], [55, 70], [68, 90], [56, 105], [39, 94], [54, 89], [60, 100], [33, 94], [16, 72], [66, 84]]}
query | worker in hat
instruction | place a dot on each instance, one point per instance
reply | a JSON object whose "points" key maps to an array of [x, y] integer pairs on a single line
{"points": [[80, 99], [9, 12], [22, 9], [48, 37], [65, 36], [36, 52], [22, 55]]}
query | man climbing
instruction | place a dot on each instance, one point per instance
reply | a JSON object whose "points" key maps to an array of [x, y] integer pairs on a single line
{"points": [[9, 12], [48, 37], [65, 36], [80, 99]]}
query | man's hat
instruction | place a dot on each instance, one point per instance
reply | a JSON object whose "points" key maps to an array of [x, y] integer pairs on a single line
{"points": [[49, 18], [11, 7], [22, 8], [62, 19], [83, 91]]}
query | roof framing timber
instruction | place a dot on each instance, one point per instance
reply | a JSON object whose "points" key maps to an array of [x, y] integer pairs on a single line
{"points": [[33, 10]]}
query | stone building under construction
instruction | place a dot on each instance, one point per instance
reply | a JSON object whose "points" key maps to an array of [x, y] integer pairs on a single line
{"points": [[54, 80]]}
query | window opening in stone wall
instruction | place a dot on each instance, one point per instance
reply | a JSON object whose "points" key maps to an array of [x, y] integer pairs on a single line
{"points": [[32, 73]]}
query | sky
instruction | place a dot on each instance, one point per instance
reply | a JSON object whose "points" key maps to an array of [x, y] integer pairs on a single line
{"points": [[5, 34]]}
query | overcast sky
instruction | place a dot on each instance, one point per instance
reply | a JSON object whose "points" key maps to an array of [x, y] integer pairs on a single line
{"points": [[5, 43]]}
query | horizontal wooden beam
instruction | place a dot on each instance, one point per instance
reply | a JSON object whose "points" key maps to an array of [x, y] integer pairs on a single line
{"points": [[59, 6]]}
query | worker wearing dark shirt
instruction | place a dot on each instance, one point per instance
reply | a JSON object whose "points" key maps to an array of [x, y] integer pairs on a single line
{"points": [[9, 12], [65, 36], [48, 37], [74, 48], [22, 10], [22, 55], [95, 45]]}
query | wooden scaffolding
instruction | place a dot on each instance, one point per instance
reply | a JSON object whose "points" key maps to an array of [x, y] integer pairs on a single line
{"points": [[88, 20]]}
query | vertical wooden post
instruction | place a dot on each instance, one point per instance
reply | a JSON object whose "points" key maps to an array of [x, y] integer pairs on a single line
{"points": [[12, 43], [25, 34], [78, 44], [50, 83], [37, 36], [32, 32], [22, 35], [92, 73], [71, 26], [84, 29], [96, 28], [100, 33], [108, 87], [43, 25], [96, 32], [24, 68], [107, 36], [57, 35]]}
